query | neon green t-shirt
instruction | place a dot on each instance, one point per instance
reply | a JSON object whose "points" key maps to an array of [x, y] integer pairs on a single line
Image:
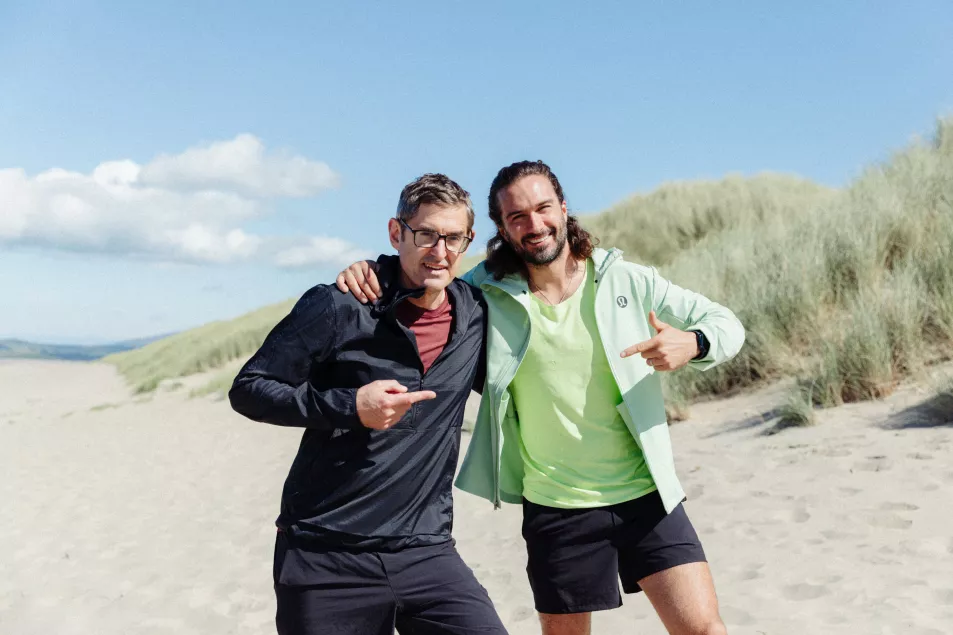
{"points": [[576, 449]]}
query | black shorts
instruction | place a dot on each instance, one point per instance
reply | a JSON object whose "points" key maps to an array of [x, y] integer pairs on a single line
{"points": [[577, 556], [418, 591]]}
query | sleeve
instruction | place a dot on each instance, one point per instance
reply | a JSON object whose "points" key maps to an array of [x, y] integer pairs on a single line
{"points": [[479, 379], [274, 385], [686, 309]]}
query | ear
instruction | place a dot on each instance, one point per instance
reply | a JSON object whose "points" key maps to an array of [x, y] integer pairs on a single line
{"points": [[393, 229], [564, 208]]}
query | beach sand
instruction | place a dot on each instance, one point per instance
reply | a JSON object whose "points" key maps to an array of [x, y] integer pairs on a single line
{"points": [[122, 514]]}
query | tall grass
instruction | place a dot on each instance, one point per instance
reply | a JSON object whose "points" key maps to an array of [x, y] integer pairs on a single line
{"points": [[853, 293], [206, 347], [657, 227]]}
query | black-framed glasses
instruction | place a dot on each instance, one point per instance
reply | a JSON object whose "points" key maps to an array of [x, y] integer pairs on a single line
{"points": [[456, 243]]}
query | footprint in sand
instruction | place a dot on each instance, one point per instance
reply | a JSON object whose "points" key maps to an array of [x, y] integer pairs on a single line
{"points": [[924, 548], [522, 613], [836, 618], [695, 491], [833, 534], [739, 478], [920, 456], [805, 591], [888, 520], [801, 515], [736, 617], [835, 452], [899, 507], [874, 464], [945, 596]]}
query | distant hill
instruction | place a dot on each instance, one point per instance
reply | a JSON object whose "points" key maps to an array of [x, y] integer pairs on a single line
{"points": [[20, 349]]}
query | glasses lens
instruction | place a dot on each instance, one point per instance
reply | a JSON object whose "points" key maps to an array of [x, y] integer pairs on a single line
{"points": [[457, 243], [425, 238]]}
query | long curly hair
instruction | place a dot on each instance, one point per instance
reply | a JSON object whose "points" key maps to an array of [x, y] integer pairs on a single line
{"points": [[501, 258]]}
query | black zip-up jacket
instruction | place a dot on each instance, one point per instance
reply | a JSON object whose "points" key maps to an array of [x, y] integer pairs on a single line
{"points": [[351, 486]]}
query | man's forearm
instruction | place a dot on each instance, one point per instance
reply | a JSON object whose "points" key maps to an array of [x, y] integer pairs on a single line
{"points": [[271, 401]]}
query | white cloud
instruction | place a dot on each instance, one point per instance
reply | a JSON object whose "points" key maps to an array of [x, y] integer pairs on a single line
{"points": [[188, 207], [243, 165], [319, 250]]}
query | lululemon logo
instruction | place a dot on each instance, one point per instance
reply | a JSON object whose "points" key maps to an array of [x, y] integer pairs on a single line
{"points": [[622, 302]]}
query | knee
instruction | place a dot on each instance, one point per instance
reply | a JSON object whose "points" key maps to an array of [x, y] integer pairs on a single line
{"points": [[714, 627]]}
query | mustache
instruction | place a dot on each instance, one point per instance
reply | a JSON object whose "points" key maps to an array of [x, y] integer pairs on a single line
{"points": [[526, 239]]}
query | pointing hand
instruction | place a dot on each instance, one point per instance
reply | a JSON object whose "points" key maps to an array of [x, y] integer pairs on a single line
{"points": [[670, 349], [381, 404]]}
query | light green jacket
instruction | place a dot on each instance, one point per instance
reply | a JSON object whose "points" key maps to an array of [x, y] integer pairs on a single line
{"points": [[625, 293]]}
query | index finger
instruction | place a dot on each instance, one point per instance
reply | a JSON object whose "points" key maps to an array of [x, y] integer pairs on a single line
{"points": [[410, 398], [641, 347]]}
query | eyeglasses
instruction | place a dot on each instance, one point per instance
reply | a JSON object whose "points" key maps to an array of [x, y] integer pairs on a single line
{"points": [[456, 243]]}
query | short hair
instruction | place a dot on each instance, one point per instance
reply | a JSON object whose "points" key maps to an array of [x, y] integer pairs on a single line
{"points": [[434, 189]]}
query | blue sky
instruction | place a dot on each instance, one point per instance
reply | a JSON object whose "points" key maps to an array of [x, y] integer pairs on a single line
{"points": [[214, 157]]}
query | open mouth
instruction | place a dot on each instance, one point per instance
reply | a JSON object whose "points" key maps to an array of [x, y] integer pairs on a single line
{"points": [[433, 267], [537, 240]]}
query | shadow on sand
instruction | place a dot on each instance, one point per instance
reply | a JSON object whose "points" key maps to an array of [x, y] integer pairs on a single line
{"points": [[933, 413]]}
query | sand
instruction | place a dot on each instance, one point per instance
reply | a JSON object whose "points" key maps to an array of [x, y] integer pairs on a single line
{"points": [[124, 515]]}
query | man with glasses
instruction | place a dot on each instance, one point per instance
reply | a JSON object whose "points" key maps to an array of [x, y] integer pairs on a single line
{"points": [[364, 540]]}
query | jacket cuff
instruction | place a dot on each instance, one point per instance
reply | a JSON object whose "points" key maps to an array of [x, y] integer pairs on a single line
{"points": [[707, 332], [334, 408], [347, 416]]}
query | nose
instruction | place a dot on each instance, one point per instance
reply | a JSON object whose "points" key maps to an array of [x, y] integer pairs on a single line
{"points": [[537, 226], [440, 249]]}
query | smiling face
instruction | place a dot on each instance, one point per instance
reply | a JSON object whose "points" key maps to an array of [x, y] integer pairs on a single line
{"points": [[430, 267], [533, 220]]}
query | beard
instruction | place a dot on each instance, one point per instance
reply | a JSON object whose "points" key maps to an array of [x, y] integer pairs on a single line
{"points": [[532, 255]]}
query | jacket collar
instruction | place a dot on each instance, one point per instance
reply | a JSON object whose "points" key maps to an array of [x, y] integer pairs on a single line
{"points": [[392, 293]]}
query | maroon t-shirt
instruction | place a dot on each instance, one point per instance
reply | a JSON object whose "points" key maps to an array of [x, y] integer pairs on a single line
{"points": [[431, 327]]}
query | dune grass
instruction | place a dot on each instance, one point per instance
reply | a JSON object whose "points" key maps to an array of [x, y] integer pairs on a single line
{"points": [[656, 228], [852, 293], [799, 409], [204, 348]]}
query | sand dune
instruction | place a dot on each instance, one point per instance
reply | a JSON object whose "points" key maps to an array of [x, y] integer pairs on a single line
{"points": [[155, 515]]}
